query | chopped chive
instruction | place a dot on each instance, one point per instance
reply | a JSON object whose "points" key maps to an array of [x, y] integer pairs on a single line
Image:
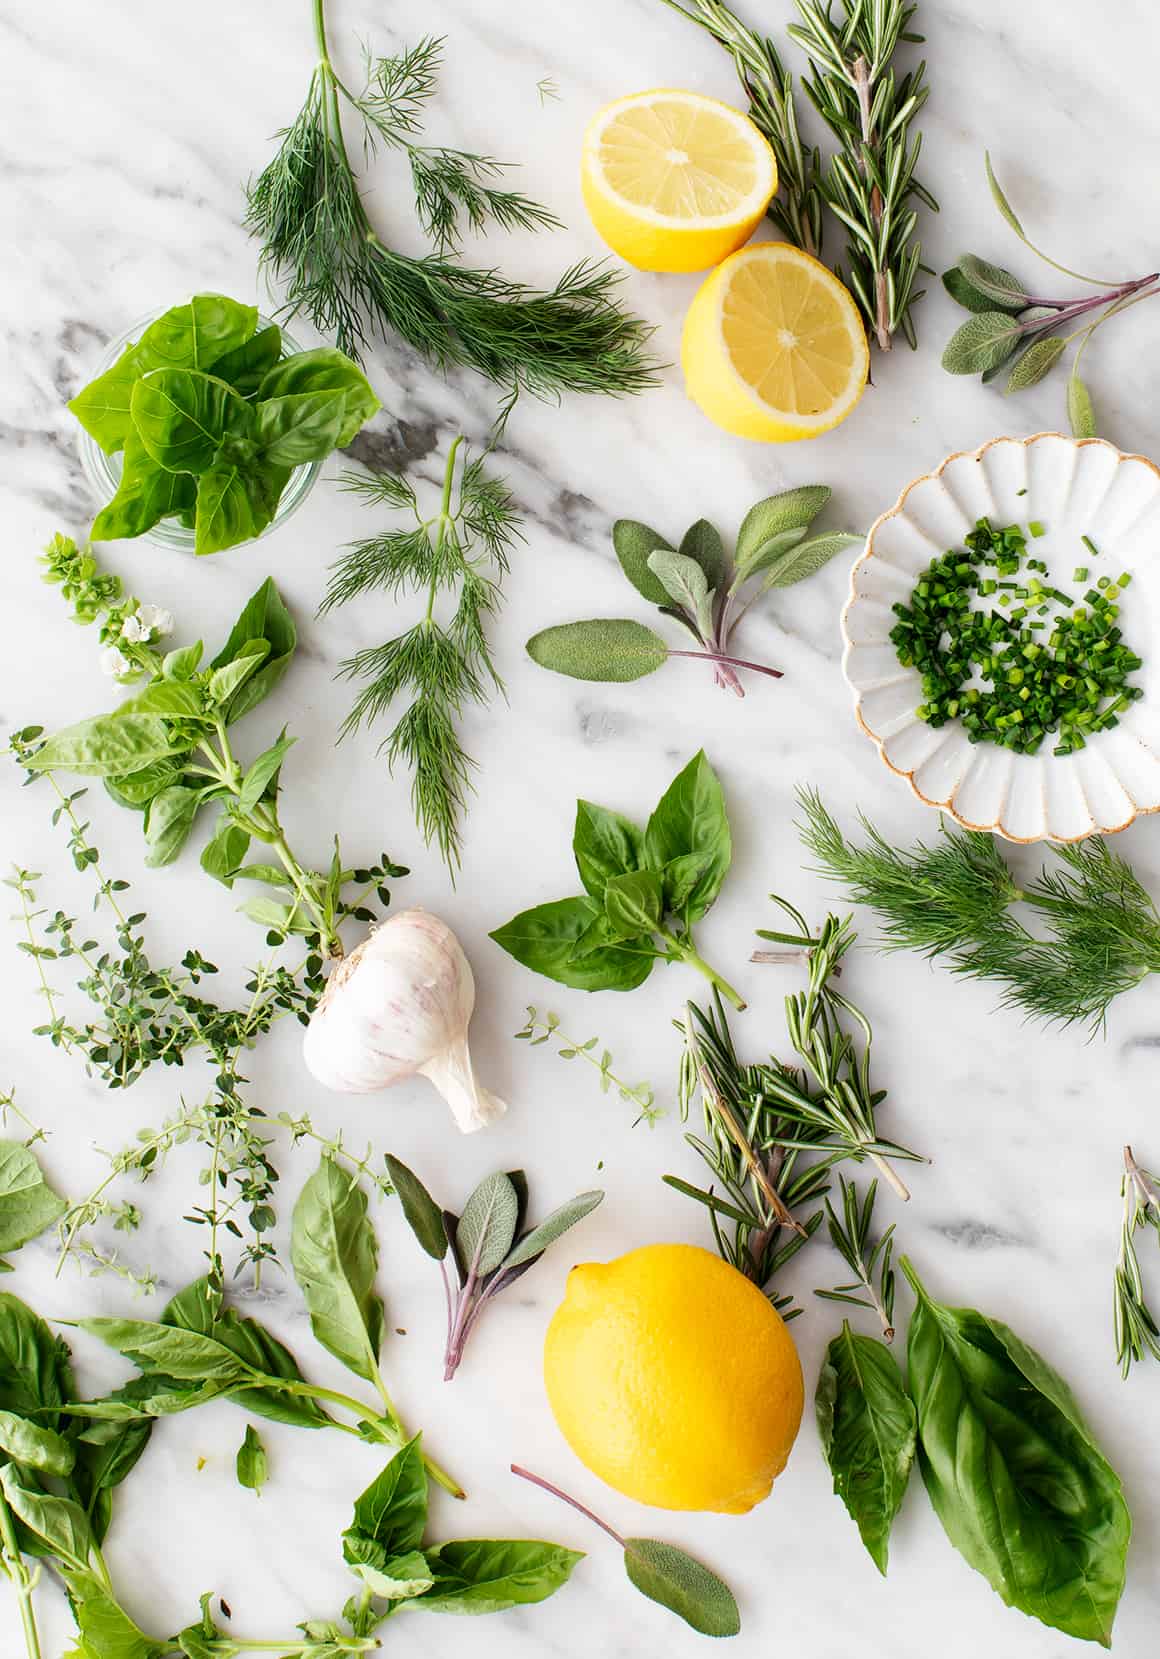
{"points": [[1036, 528], [1091, 546], [1080, 573]]}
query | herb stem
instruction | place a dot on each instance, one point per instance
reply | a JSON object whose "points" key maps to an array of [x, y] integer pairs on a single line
{"points": [[732, 662], [391, 1428], [23, 1581], [684, 950], [546, 1486]]}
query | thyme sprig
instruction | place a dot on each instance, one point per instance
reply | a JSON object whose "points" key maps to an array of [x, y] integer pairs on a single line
{"points": [[1137, 1331], [463, 550], [869, 1259], [541, 1028], [310, 216]]}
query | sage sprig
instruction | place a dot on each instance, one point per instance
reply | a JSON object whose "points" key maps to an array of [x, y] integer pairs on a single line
{"points": [[699, 586], [488, 1245], [1018, 332]]}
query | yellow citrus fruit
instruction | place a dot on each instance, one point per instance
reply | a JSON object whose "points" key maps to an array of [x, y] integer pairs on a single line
{"points": [[675, 181], [673, 1379], [773, 346]]}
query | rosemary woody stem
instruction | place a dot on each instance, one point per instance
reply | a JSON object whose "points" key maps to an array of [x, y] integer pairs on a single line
{"points": [[860, 75]]}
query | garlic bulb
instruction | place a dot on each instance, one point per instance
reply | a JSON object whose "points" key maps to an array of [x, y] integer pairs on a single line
{"points": [[400, 1004]]}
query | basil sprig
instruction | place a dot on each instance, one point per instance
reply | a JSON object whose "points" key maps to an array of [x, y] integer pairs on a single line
{"points": [[640, 887], [211, 421]]}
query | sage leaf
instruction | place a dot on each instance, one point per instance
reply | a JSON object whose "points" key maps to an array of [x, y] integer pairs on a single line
{"points": [[488, 1225], [690, 818], [767, 551], [423, 1215], [866, 1424], [604, 844], [1000, 199], [633, 543], [1014, 1475], [489, 1575], [553, 1226], [543, 939], [701, 542], [667, 1575], [28, 1204], [612, 649], [633, 904], [34, 1368], [107, 746], [251, 1464], [183, 418], [35, 1447], [146, 493], [982, 342], [1002, 289], [392, 1512], [685, 582], [169, 821], [1038, 360], [796, 563], [245, 367], [1080, 412], [778, 515], [335, 1256], [962, 292]]}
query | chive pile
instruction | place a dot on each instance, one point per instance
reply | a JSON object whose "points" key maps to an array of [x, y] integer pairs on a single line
{"points": [[1048, 662]]}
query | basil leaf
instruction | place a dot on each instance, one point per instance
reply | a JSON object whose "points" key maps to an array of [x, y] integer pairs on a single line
{"points": [[552, 1227], [394, 1577], [175, 699], [169, 821], [334, 1256], [57, 1523], [264, 616], [34, 1368], [34, 1447], [680, 879], [1012, 1471], [183, 418], [137, 789], [776, 515], [107, 746], [393, 1509], [291, 431], [633, 543], [102, 407], [146, 494], [543, 940], [685, 582], [633, 904], [245, 367], [183, 663], [223, 682], [251, 1464], [982, 342], [195, 335], [488, 1225], [604, 844], [690, 818], [489, 1575], [866, 1424], [28, 1204], [185, 1355], [235, 503], [807, 557], [107, 1631], [613, 650], [665, 1574], [105, 1454], [324, 370], [422, 1214], [262, 774], [225, 853]]}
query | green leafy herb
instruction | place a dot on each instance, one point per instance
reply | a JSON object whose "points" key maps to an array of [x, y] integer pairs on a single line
{"points": [[489, 1247], [1007, 1458], [310, 216], [664, 1573], [588, 941], [544, 1028], [697, 586], [866, 1425], [335, 1257], [28, 1205], [1016, 327], [1137, 1332], [462, 550], [252, 1463]]}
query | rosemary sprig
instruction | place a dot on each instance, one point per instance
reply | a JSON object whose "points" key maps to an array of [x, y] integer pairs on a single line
{"points": [[309, 214], [1101, 930], [464, 549], [541, 1028], [870, 1262], [797, 207], [870, 184], [1137, 1332]]}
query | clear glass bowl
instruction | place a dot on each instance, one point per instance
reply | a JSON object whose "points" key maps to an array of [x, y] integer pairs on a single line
{"points": [[104, 471]]}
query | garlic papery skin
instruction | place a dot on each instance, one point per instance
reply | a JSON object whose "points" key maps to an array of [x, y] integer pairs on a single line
{"points": [[399, 1004]]}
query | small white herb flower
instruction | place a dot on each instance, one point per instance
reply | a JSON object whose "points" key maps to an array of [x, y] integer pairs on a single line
{"points": [[114, 663], [157, 622], [134, 630]]}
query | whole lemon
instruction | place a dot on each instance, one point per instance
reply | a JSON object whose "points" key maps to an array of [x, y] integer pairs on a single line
{"points": [[673, 1379]]}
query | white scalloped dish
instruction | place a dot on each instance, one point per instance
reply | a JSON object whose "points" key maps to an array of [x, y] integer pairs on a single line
{"points": [[1074, 488]]}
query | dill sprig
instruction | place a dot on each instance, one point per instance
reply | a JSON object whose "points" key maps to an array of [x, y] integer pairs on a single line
{"points": [[443, 665], [1137, 1332], [797, 207], [870, 184], [1100, 928], [308, 211], [869, 1260]]}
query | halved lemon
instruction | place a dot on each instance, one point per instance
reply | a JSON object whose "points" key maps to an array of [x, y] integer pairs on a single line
{"points": [[773, 346], [675, 181]]}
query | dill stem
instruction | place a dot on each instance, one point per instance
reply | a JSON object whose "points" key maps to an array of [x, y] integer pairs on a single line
{"points": [[444, 519]]}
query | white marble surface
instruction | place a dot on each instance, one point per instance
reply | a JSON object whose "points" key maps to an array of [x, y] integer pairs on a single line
{"points": [[129, 128]]}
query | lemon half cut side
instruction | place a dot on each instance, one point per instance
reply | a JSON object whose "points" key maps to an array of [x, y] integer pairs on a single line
{"points": [[773, 346], [675, 181]]}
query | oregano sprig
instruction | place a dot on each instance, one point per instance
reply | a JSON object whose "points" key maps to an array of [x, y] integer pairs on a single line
{"points": [[542, 1028]]}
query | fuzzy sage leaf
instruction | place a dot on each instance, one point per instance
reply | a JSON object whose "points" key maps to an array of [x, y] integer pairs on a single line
{"points": [[1080, 411], [787, 513], [613, 650], [685, 582], [806, 558], [488, 1225], [424, 1217], [982, 342], [1037, 361], [633, 543]]}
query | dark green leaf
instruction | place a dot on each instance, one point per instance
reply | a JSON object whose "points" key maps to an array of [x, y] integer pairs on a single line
{"points": [[34, 1368], [1012, 1470], [236, 502], [335, 1255], [309, 373], [702, 543], [247, 365], [197, 334], [28, 1204], [251, 1464], [168, 823], [665, 1574], [424, 1217], [611, 649], [1080, 413], [107, 746], [543, 940], [552, 1227], [981, 343], [392, 1512], [263, 772], [263, 616], [1038, 360], [788, 512], [138, 788], [292, 431], [604, 844], [489, 1575], [185, 1355], [35, 1447], [633, 904], [225, 853], [690, 818], [183, 417], [633, 543], [488, 1225], [146, 494], [807, 557], [961, 291], [60, 1526], [106, 1452], [866, 1425], [999, 289]]}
